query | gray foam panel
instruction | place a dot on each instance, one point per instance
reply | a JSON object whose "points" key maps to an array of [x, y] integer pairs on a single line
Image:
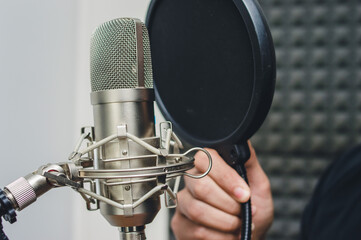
{"points": [[316, 112]]}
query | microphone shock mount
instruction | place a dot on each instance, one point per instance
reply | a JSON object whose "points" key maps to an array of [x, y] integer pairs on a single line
{"points": [[127, 210]]}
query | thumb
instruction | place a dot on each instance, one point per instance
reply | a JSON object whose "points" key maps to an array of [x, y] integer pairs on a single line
{"points": [[255, 173]]}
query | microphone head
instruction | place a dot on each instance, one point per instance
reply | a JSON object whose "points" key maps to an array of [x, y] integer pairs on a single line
{"points": [[120, 56]]}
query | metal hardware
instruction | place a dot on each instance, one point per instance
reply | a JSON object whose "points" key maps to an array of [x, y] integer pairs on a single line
{"points": [[89, 131], [209, 166], [122, 131], [165, 134], [140, 172], [86, 133], [152, 164], [132, 233], [92, 204], [62, 180], [157, 189]]}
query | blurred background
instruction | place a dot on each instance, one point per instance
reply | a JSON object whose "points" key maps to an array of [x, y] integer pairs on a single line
{"points": [[44, 75], [316, 112]]}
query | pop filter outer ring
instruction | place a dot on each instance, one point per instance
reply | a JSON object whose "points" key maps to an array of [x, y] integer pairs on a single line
{"points": [[264, 75]]}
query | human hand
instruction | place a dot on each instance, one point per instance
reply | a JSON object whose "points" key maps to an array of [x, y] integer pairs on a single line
{"points": [[209, 208]]}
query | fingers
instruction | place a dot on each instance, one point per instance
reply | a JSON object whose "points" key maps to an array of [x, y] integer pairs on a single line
{"points": [[209, 208], [252, 164], [257, 178], [203, 214], [225, 176], [185, 229], [206, 190]]}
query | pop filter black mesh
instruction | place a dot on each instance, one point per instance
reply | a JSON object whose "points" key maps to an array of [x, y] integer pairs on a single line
{"points": [[203, 66], [214, 73]]}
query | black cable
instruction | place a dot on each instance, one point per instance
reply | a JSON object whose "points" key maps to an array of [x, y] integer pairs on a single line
{"points": [[246, 229], [236, 156]]}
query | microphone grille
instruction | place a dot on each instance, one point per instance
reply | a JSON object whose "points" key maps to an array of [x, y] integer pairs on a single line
{"points": [[115, 62]]}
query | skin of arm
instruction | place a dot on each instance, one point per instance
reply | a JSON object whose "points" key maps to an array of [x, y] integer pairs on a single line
{"points": [[209, 208]]}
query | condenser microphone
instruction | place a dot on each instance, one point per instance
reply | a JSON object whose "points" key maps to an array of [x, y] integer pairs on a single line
{"points": [[134, 167], [122, 98]]}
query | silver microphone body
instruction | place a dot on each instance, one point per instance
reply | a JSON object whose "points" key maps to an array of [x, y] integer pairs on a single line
{"points": [[122, 95]]}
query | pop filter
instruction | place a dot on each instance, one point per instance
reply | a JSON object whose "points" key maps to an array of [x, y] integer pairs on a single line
{"points": [[214, 73]]}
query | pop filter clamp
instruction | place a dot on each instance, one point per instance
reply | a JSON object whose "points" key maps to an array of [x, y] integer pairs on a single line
{"points": [[214, 74]]}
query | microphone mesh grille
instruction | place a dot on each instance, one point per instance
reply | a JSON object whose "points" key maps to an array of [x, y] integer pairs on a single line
{"points": [[113, 56]]}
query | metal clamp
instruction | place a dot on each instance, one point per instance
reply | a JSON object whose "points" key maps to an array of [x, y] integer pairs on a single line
{"points": [[92, 204], [209, 166]]}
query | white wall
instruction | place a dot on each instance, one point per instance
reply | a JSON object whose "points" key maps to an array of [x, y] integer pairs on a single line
{"points": [[37, 74], [44, 79]]}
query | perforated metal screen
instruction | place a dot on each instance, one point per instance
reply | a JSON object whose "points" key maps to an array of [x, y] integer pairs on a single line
{"points": [[316, 113], [113, 56]]}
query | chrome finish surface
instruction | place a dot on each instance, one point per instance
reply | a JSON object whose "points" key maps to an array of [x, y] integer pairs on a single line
{"points": [[139, 117], [22, 193], [38, 183], [122, 95], [113, 109], [132, 233], [25, 190], [209, 163], [120, 73], [126, 194], [11, 198], [131, 185], [137, 172], [156, 190]]}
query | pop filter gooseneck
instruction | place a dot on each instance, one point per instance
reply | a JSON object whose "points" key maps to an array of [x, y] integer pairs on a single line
{"points": [[214, 74]]}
